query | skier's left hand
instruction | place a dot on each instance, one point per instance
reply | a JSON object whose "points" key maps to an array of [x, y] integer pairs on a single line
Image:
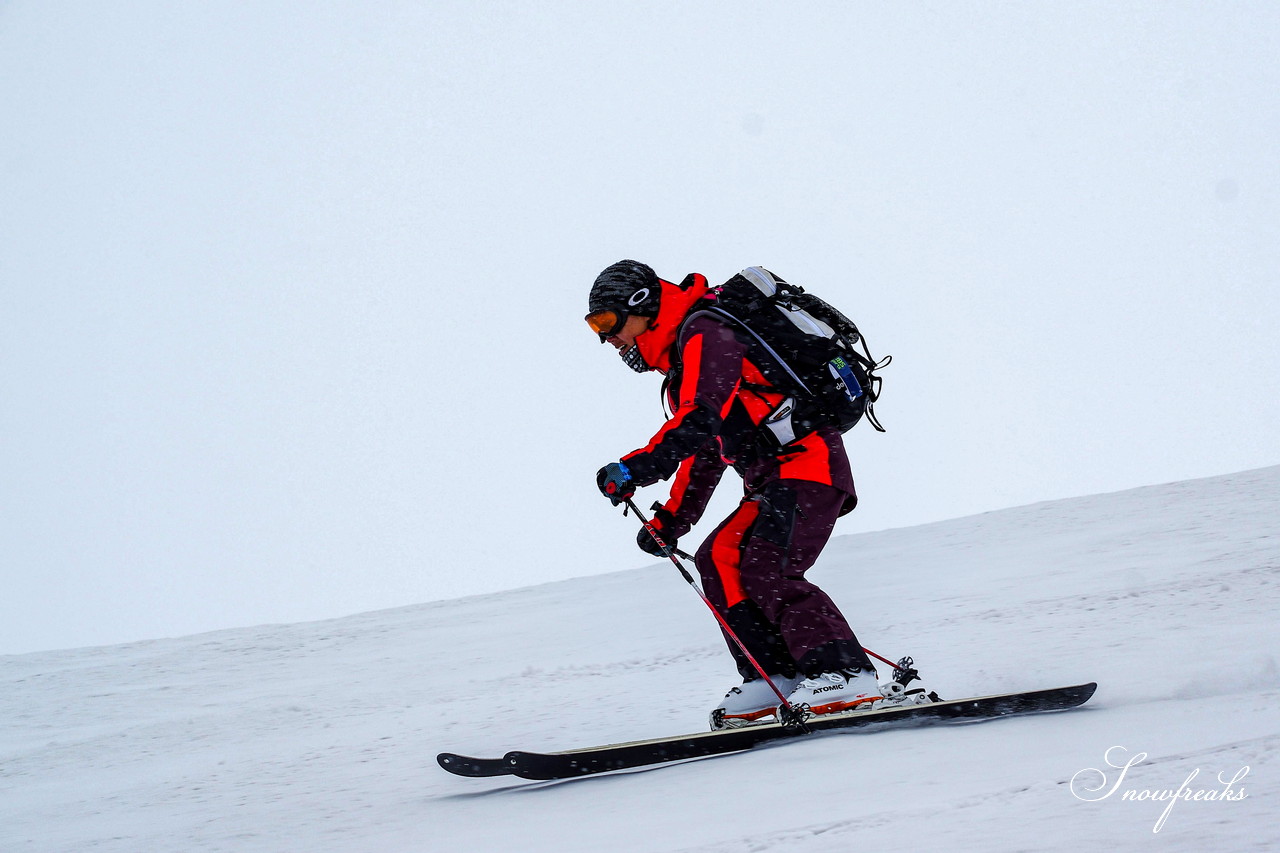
{"points": [[615, 482], [664, 522]]}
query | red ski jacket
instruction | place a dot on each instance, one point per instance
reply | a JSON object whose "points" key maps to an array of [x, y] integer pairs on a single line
{"points": [[718, 397]]}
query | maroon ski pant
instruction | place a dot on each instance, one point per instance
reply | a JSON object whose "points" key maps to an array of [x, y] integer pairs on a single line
{"points": [[753, 570]]}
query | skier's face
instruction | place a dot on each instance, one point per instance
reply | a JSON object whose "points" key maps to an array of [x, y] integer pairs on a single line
{"points": [[625, 338]]}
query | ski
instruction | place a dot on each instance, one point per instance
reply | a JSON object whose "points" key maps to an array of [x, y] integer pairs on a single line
{"points": [[621, 756]]}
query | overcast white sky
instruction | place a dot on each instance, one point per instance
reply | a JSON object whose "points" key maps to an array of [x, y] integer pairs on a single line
{"points": [[291, 294]]}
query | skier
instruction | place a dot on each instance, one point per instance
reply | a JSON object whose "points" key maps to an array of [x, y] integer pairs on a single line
{"points": [[753, 565]]}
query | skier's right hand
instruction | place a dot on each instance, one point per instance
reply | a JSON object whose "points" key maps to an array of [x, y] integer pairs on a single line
{"points": [[615, 482]]}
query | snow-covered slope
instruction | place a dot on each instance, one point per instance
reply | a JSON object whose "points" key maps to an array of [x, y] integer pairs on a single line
{"points": [[322, 736]]}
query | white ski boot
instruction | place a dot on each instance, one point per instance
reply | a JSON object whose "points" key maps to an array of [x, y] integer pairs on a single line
{"points": [[751, 703], [833, 692]]}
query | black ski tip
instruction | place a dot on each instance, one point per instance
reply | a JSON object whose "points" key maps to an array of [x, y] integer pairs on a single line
{"points": [[1073, 696], [465, 765]]}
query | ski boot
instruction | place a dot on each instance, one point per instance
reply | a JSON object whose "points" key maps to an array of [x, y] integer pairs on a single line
{"points": [[751, 703], [834, 692]]}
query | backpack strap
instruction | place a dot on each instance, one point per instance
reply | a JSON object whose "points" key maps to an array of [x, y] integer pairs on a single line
{"points": [[778, 360]]}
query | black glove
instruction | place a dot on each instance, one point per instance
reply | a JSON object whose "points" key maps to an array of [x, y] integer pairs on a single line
{"points": [[665, 523], [615, 482]]}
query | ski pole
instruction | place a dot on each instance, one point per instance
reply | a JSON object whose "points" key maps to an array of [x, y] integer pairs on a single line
{"points": [[788, 714], [881, 658]]}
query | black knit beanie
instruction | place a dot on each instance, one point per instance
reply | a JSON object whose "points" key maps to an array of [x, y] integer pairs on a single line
{"points": [[629, 285]]}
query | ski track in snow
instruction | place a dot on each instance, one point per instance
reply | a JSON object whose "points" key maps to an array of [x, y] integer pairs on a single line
{"points": [[321, 736]]}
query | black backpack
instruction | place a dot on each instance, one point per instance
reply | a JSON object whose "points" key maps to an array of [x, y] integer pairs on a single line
{"points": [[806, 348]]}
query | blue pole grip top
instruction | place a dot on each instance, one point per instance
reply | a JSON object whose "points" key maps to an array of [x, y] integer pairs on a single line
{"points": [[612, 482]]}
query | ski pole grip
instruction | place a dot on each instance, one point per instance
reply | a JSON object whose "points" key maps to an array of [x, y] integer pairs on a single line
{"points": [[667, 550]]}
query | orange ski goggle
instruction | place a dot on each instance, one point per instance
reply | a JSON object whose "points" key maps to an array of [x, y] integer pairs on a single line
{"points": [[607, 322]]}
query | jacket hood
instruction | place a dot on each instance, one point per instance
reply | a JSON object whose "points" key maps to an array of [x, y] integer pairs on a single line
{"points": [[677, 300]]}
